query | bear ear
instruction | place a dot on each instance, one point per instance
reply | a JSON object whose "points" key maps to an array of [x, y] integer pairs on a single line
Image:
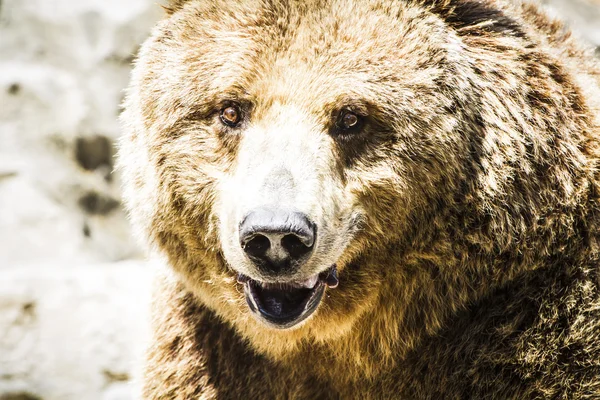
{"points": [[173, 5]]}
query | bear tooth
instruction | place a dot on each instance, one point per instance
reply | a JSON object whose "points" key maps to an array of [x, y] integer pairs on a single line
{"points": [[310, 282]]}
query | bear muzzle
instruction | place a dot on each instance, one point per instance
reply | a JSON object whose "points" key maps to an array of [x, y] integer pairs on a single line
{"points": [[284, 305], [278, 242]]}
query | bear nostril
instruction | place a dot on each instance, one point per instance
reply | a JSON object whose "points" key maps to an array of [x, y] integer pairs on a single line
{"points": [[277, 240], [257, 246], [294, 246]]}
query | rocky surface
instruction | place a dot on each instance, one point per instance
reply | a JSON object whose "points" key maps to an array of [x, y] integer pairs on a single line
{"points": [[72, 315], [63, 67], [72, 333]]}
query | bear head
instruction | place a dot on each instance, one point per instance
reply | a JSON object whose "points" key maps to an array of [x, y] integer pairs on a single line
{"points": [[275, 149]]}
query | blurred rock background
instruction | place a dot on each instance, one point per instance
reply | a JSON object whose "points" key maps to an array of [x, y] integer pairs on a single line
{"points": [[73, 283]]}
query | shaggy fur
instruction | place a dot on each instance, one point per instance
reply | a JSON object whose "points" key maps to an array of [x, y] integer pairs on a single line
{"points": [[471, 266]]}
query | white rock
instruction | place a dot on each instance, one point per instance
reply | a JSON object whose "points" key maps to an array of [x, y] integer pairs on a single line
{"points": [[63, 67], [73, 333]]}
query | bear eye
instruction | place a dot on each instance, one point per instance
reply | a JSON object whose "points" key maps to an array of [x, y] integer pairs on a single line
{"points": [[231, 115], [349, 122]]}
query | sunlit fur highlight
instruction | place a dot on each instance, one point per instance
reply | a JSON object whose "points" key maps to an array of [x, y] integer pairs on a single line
{"points": [[471, 270]]}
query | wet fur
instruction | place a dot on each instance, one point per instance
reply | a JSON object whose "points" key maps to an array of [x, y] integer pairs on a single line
{"points": [[473, 270]]}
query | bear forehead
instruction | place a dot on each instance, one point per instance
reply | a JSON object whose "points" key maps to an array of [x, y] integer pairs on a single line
{"points": [[362, 28], [302, 52]]}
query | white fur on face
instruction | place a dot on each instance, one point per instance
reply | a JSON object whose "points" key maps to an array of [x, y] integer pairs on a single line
{"points": [[286, 160]]}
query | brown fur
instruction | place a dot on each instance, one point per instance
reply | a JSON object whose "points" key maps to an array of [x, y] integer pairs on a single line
{"points": [[472, 271]]}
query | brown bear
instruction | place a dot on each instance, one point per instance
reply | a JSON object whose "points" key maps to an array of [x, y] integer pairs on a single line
{"points": [[368, 199]]}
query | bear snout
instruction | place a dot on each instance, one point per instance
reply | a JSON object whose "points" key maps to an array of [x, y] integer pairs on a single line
{"points": [[276, 240]]}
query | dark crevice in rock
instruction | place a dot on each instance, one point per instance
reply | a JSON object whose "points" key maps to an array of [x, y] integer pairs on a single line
{"points": [[112, 376], [29, 309], [14, 88], [97, 204], [108, 176], [6, 175], [94, 152], [19, 396], [87, 232]]}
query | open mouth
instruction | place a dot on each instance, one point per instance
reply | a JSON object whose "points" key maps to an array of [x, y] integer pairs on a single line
{"points": [[284, 305]]}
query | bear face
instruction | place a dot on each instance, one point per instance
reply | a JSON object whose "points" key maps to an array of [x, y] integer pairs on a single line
{"points": [[345, 128]]}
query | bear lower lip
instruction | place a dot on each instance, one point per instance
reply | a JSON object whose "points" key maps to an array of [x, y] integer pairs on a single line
{"points": [[284, 305]]}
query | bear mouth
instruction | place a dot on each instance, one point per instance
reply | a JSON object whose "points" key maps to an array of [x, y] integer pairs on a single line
{"points": [[284, 305]]}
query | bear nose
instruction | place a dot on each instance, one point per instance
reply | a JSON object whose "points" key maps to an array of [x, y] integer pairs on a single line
{"points": [[277, 240]]}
